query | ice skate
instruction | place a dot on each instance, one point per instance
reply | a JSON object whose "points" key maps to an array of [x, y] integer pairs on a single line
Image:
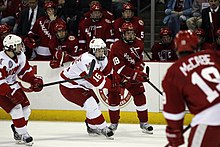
{"points": [[17, 137], [146, 128], [92, 132], [107, 132], [27, 139], [113, 127]]}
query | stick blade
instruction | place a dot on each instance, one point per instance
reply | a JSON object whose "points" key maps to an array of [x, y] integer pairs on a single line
{"points": [[92, 66]]}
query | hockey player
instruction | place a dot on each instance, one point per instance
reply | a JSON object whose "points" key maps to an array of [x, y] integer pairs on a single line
{"points": [[128, 16], [63, 47], [164, 50], [42, 31], [80, 92], [4, 31], [95, 27], [193, 81], [127, 59], [13, 64]]}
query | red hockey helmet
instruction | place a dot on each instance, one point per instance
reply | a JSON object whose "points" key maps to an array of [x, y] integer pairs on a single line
{"points": [[127, 6], [165, 31], [60, 25], [127, 26], [200, 32], [4, 28], [49, 5], [186, 41], [96, 7], [217, 34]]}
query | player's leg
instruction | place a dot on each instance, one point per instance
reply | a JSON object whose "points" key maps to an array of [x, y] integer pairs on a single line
{"points": [[141, 106], [202, 135]]}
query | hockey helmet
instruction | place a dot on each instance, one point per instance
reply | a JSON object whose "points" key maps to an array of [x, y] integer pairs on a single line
{"points": [[49, 4], [128, 32], [60, 29], [98, 48], [4, 30], [200, 32], [128, 11], [166, 35], [186, 41], [96, 12], [13, 43]]}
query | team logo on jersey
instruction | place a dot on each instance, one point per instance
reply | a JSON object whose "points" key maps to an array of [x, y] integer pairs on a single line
{"points": [[134, 51], [124, 93], [71, 38], [10, 64], [141, 22]]}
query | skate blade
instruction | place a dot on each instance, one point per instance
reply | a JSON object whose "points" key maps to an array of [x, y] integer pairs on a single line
{"points": [[29, 144], [110, 138], [147, 132], [19, 142]]}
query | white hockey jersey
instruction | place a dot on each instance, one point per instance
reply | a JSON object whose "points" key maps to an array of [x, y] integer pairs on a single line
{"points": [[80, 67]]}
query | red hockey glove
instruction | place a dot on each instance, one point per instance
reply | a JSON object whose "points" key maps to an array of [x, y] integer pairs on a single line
{"points": [[175, 137], [30, 43], [36, 84], [62, 55], [139, 66], [15, 96], [139, 76], [54, 64]]}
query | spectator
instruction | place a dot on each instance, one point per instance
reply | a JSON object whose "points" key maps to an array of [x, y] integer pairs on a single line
{"points": [[4, 31], [211, 27], [192, 82], [28, 17], [80, 92], [63, 47], [196, 20], [95, 27], [164, 50], [128, 16], [8, 11], [126, 57], [42, 31], [177, 12]]}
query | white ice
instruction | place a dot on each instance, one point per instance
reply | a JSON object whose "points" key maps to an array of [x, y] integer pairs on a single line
{"points": [[73, 134]]}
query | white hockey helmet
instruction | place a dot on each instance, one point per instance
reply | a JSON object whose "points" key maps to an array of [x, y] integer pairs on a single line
{"points": [[13, 43], [98, 48]]}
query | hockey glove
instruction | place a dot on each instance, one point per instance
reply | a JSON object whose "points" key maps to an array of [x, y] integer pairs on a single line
{"points": [[30, 43], [36, 84], [175, 137], [15, 96], [139, 76], [139, 66], [54, 64]]}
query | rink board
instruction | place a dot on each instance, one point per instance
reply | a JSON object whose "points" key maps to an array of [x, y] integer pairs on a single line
{"points": [[50, 105]]}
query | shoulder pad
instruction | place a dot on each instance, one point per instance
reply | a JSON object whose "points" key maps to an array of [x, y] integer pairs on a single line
{"points": [[141, 22], [71, 38], [108, 21]]}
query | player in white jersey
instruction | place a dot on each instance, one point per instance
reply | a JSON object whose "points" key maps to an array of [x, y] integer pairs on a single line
{"points": [[80, 92], [13, 65]]}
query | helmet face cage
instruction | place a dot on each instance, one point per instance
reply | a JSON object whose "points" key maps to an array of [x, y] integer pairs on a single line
{"points": [[128, 12], [13, 43], [98, 48], [96, 12], [60, 30], [128, 33]]}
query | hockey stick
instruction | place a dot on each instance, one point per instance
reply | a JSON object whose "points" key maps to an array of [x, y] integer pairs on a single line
{"points": [[149, 82], [147, 55], [92, 66], [184, 130]]}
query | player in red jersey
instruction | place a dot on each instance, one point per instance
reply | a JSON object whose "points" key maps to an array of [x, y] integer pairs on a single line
{"points": [[4, 31], [128, 16], [126, 57], [164, 50], [193, 81], [63, 47]]}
